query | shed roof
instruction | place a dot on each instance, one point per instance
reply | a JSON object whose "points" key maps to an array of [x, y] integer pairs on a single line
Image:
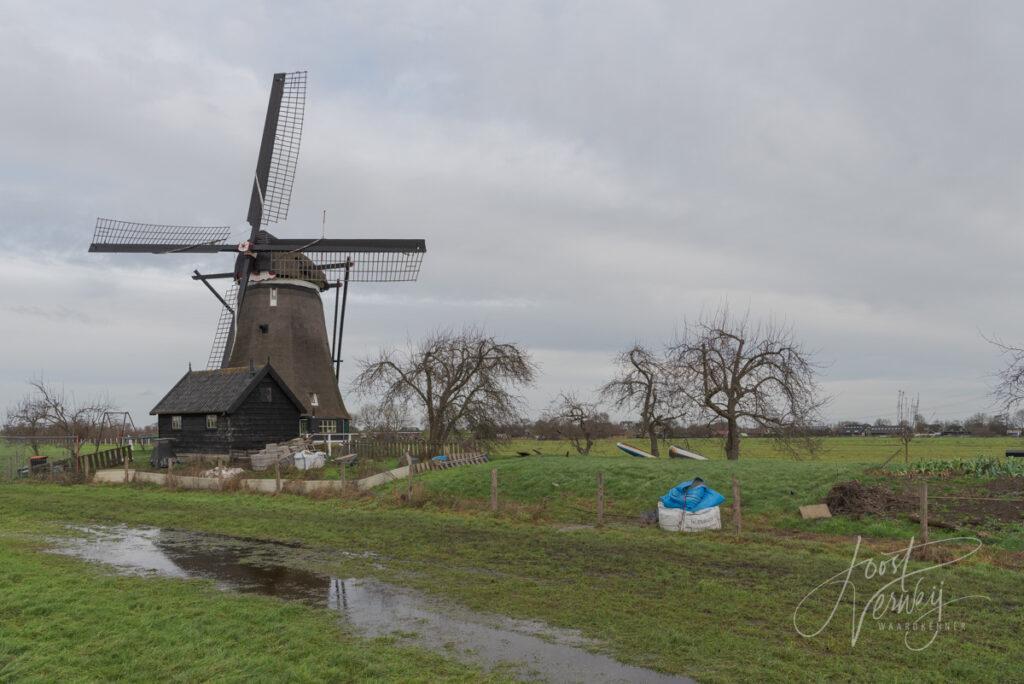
{"points": [[218, 391]]}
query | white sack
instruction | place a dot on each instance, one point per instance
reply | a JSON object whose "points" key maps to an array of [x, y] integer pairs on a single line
{"points": [[678, 520], [307, 460]]}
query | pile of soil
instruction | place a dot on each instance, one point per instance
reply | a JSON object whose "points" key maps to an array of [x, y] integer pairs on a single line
{"points": [[856, 499]]}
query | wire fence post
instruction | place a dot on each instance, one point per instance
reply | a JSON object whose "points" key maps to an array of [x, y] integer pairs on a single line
{"points": [[277, 476], [170, 464], [924, 511], [737, 512], [125, 457], [600, 498], [494, 490]]}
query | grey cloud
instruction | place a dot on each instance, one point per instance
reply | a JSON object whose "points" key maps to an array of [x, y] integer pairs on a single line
{"points": [[584, 174]]}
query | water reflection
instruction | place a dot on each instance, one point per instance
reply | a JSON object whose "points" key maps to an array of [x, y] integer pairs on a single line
{"points": [[373, 608]]}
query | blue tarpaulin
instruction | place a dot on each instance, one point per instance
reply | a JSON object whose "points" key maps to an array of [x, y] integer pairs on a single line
{"points": [[692, 495], [442, 457]]}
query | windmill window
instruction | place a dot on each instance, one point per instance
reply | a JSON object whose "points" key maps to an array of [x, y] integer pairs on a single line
{"points": [[211, 421], [314, 400], [273, 296], [264, 328], [304, 426], [175, 422], [328, 426], [267, 394]]}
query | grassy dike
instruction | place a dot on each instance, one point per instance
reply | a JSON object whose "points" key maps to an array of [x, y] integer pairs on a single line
{"points": [[709, 606]]}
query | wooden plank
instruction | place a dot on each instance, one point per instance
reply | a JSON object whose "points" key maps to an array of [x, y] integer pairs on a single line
{"points": [[815, 511]]}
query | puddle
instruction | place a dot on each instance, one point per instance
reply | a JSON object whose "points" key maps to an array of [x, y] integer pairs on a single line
{"points": [[531, 650]]}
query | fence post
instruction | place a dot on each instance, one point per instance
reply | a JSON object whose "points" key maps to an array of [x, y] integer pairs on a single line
{"points": [[494, 490], [737, 512], [125, 457], [170, 463], [600, 498], [924, 511], [408, 490], [277, 476]]}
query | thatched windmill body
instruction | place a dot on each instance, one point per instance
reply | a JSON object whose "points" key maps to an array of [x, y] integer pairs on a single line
{"points": [[274, 311]]}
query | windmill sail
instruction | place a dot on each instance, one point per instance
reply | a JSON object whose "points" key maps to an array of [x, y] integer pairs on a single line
{"points": [[285, 157], [364, 267], [128, 236], [225, 330], [279, 151]]}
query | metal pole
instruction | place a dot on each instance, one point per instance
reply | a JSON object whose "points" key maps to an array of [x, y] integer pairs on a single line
{"points": [[334, 328], [209, 287], [341, 322]]}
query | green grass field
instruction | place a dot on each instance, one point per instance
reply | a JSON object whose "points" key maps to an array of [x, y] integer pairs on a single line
{"points": [[710, 606], [852, 449], [713, 606]]}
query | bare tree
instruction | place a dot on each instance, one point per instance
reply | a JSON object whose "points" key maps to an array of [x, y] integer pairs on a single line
{"points": [[641, 385], [63, 414], [746, 373], [1009, 389], [27, 419], [384, 417], [906, 420], [576, 420], [462, 380]]}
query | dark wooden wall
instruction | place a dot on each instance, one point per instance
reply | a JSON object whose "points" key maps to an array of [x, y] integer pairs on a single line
{"points": [[255, 424]]}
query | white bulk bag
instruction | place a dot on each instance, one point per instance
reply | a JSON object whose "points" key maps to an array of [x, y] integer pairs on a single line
{"points": [[678, 520], [307, 460]]}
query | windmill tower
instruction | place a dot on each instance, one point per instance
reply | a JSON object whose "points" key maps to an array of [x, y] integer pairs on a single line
{"points": [[274, 311]]}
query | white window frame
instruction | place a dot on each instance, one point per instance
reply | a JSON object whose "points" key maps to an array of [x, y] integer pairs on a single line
{"points": [[328, 426], [313, 399], [175, 422], [273, 296], [211, 421]]}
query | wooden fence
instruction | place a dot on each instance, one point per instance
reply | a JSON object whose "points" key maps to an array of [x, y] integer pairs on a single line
{"points": [[452, 462], [381, 448], [108, 458]]}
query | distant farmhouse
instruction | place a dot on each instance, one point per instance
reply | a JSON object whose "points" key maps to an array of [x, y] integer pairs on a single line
{"points": [[227, 412], [853, 429]]}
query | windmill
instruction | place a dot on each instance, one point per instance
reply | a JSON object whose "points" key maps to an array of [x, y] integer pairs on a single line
{"points": [[273, 311]]}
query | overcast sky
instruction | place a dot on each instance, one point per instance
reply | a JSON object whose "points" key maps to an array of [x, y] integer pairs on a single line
{"points": [[584, 173]]}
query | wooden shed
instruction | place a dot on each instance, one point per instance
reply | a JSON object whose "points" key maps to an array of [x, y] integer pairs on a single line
{"points": [[227, 412]]}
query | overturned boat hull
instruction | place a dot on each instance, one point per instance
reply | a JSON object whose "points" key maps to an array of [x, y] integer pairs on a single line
{"points": [[677, 452], [633, 451]]}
